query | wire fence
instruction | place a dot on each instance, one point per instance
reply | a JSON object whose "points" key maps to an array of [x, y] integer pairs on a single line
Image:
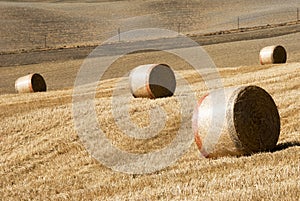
{"points": [[274, 17], [184, 21]]}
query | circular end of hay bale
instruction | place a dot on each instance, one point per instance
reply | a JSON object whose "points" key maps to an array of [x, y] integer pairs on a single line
{"points": [[273, 55], [253, 121], [279, 55], [162, 81], [30, 83], [249, 123], [152, 81], [38, 83]]}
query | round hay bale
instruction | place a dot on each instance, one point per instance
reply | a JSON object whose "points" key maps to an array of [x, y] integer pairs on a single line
{"points": [[30, 83], [273, 55], [152, 81], [252, 122]]}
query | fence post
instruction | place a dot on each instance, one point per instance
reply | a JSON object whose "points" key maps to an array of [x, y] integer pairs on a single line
{"points": [[297, 14], [45, 41], [178, 28], [238, 22], [119, 34]]}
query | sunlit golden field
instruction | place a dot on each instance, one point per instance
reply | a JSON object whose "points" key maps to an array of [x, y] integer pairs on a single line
{"points": [[43, 157]]}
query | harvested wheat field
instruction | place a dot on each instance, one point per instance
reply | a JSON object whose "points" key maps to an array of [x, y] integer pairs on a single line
{"points": [[43, 156]]}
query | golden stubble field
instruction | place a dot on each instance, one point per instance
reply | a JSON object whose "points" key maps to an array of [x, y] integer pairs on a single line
{"points": [[42, 157]]}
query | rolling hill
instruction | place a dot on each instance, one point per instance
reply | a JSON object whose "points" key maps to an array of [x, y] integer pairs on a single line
{"points": [[42, 155]]}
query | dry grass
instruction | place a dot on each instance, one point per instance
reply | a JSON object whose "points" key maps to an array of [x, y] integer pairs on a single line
{"points": [[42, 156], [62, 74], [24, 25]]}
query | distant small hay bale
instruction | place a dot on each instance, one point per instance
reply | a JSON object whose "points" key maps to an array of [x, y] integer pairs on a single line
{"points": [[273, 55], [250, 123], [30, 83], [152, 81]]}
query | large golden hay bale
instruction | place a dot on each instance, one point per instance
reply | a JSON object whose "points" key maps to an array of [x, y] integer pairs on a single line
{"points": [[152, 81], [249, 122], [30, 83], [273, 55]]}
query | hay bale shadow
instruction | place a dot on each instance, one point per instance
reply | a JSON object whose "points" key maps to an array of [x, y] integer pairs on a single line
{"points": [[285, 145], [278, 147]]}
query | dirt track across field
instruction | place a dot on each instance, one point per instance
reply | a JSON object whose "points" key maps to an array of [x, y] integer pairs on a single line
{"points": [[64, 54]]}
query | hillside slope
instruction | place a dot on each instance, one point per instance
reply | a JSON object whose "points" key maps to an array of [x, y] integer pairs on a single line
{"points": [[43, 158], [40, 24]]}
